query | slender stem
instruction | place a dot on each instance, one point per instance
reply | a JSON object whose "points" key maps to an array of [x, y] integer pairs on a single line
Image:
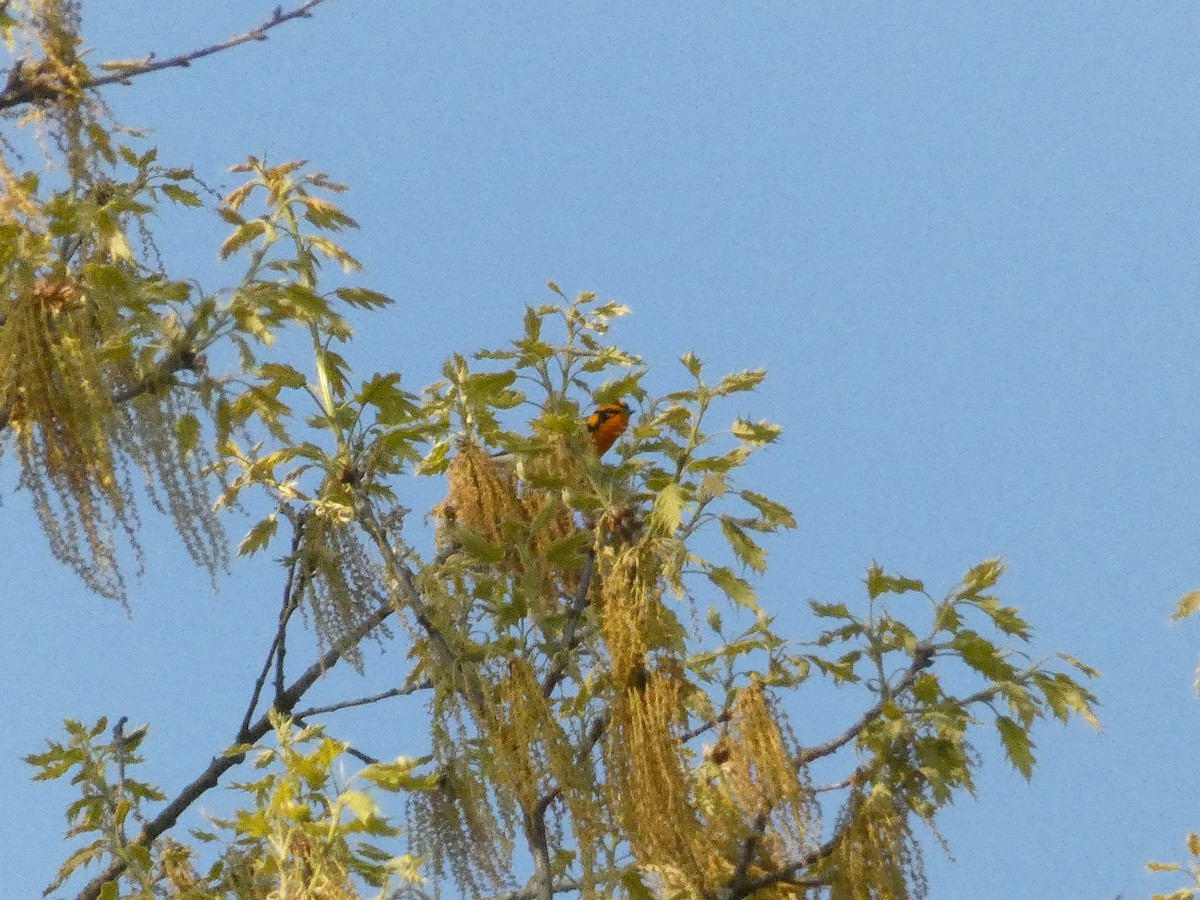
{"points": [[22, 88], [411, 687], [277, 643]]}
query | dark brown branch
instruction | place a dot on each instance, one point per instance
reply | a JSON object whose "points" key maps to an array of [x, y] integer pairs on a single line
{"points": [[284, 615], [570, 634], [922, 659], [423, 684], [757, 827], [404, 579], [745, 887], [693, 733], [541, 883], [599, 726], [208, 779], [24, 85]]}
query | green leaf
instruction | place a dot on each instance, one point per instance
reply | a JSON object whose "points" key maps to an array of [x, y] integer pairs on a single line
{"points": [[259, 536], [398, 776], [713, 485], [363, 298], [878, 583], [1189, 605], [383, 392], [282, 375], [756, 433], [243, 236], [740, 381], [982, 655], [748, 552], [477, 548], [335, 252], [830, 610], [82, 857], [486, 386], [983, 576], [436, 460], [1017, 745], [736, 589], [634, 887], [1008, 620], [187, 432], [926, 688], [567, 553], [771, 511], [360, 804], [180, 195], [1083, 667]]}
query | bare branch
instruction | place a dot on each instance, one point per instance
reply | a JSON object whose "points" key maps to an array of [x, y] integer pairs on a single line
{"points": [[693, 733], [541, 883], [405, 581], [599, 726], [25, 87], [412, 687], [284, 615]]}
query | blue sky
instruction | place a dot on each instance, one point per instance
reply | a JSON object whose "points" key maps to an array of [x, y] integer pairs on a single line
{"points": [[962, 238]]}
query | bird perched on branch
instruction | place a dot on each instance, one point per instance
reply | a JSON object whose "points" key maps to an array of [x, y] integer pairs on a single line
{"points": [[607, 424]]}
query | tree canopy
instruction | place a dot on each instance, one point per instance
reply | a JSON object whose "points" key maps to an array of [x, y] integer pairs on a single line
{"points": [[608, 703]]}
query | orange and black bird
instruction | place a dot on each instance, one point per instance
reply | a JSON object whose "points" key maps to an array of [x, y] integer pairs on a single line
{"points": [[607, 424]]}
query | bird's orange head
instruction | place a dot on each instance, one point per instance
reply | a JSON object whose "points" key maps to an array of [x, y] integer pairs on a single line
{"points": [[607, 424]]}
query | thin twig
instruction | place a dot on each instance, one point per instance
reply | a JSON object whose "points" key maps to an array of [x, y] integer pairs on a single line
{"points": [[693, 733], [599, 726], [24, 89], [260, 682], [423, 684], [404, 579]]}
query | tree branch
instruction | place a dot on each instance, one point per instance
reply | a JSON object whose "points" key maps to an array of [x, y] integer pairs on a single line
{"points": [[745, 887], [570, 634], [404, 690], [26, 87], [922, 659], [284, 614], [181, 358], [219, 765]]}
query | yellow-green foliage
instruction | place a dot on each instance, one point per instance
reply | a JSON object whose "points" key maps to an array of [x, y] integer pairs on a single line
{"points": [[557, 625]]}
